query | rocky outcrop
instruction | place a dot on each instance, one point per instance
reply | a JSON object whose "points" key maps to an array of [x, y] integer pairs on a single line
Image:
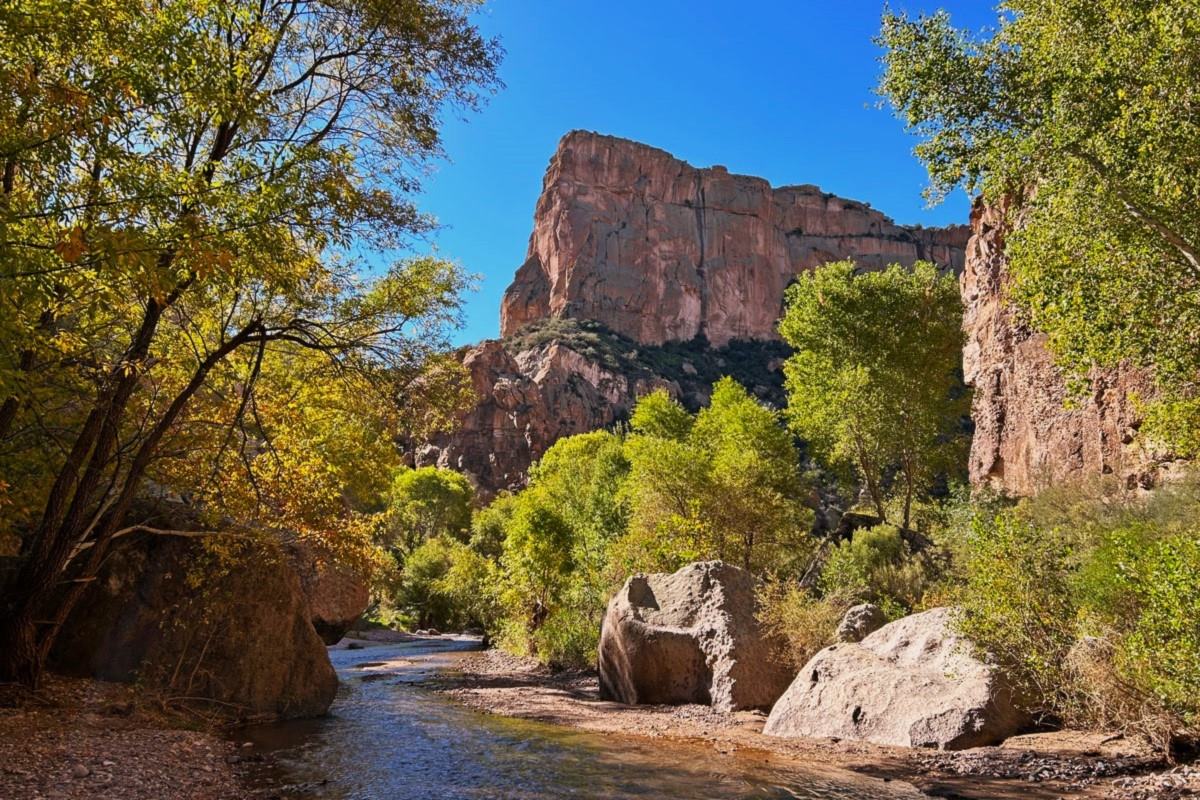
{"points": [[229, 628], [525, 402], [658, 250], [337, 595], [912, 683], [1027, 435], [683, 272], [689, 637], [859, 622], [569, 377]]}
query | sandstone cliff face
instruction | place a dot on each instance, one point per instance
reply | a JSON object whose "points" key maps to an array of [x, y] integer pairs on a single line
{"points": [[658, 250], [563, 377], [1026, 438], [527, 401]]}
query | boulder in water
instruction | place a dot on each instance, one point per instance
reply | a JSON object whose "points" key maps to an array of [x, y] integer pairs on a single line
{"points": [[337, 595]]}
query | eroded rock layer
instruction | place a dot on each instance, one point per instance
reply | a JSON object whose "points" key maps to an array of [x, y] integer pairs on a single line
{"points": [[562, 377], [1027, 435], [658, 250]]}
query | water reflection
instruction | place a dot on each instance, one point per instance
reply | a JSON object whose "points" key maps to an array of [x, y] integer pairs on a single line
{"points": [[387, 739]]}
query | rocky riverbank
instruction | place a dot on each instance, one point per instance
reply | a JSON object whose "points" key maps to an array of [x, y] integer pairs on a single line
{"points": [[1047, 765], [78, 738]]}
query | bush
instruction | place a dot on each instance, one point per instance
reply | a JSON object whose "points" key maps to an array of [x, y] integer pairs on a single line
{"points": [[877, 566], [803, 622], [421, 596], [1092, 604]]}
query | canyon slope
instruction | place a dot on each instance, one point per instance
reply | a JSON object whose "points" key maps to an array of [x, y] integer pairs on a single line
{"points": [[642, 272]]}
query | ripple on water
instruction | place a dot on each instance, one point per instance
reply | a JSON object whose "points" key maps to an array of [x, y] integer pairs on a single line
{"points": [[387, 739]]}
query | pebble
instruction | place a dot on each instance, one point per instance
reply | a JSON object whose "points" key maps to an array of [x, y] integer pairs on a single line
{"points": [[80, 771]]}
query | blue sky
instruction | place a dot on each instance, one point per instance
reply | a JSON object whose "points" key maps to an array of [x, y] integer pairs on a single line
{"points": [[782, 90]]}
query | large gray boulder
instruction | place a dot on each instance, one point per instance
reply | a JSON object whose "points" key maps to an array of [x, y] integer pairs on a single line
{"points": [[912, 683], [230, 631], [689, 637]]}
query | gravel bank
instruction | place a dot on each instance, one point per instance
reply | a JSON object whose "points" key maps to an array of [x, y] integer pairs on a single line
{"points": [[79, 739], [1047, 765]]}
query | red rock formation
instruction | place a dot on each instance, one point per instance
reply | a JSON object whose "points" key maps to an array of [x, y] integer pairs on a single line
{"points": [[526, 402], [655, 251], [1026, 436], [658, 250]]}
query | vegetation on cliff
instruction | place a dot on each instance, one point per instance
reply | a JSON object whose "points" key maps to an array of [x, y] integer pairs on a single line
{"points": [[1086, 113]]}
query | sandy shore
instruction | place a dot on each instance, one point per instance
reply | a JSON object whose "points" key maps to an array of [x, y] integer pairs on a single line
{"points": [[1049, 765], [78, 739]]}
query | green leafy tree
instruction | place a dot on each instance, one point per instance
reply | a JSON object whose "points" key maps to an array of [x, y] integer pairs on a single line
{"points": [[660, 415], [726, 486], [488, 525], [189, 193], [425, 503], [874, 385], [537, 560], [1080, 117]]}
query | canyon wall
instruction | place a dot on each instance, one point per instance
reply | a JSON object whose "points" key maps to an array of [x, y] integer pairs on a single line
{"points": [[658, 250], [1029, 434], [643, 272]]}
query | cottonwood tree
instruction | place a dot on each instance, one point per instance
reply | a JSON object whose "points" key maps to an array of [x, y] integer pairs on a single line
{"points": [[1083, 117], [723, 484], [191, 194], [425, 503], [874, 386]]}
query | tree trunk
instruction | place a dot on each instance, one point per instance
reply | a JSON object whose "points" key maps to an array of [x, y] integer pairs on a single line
{"points": [[20, 656]]}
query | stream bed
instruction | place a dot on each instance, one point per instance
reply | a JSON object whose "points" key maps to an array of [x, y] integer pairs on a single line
{"points": [[389, 738]]}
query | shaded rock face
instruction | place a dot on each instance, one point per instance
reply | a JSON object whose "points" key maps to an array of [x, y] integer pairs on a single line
{"points": [[240, 636], [336, 595], [658, 250], [1026, 438], [860, 621], [525, 403], [912, 683], [689, 637]]}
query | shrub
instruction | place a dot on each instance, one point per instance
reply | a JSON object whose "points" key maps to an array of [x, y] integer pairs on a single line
{"points": [[877, 566], [803, 622], [1091, 603]]}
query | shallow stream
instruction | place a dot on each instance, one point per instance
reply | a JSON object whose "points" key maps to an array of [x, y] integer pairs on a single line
{"points": [[389, 738]]}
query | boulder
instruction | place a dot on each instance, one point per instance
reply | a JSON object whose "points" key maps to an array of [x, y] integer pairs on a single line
{"points": [[337, 595], [229, 628], [912, 683], [689, 637], [860, 621]]}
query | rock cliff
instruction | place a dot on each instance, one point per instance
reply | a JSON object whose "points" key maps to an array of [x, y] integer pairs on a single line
{"points": [[562, 377], [642, 272], [658, 250], [1027, 436]]}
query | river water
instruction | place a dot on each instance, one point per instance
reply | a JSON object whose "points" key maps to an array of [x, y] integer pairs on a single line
{"points": [[389, 738]]}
